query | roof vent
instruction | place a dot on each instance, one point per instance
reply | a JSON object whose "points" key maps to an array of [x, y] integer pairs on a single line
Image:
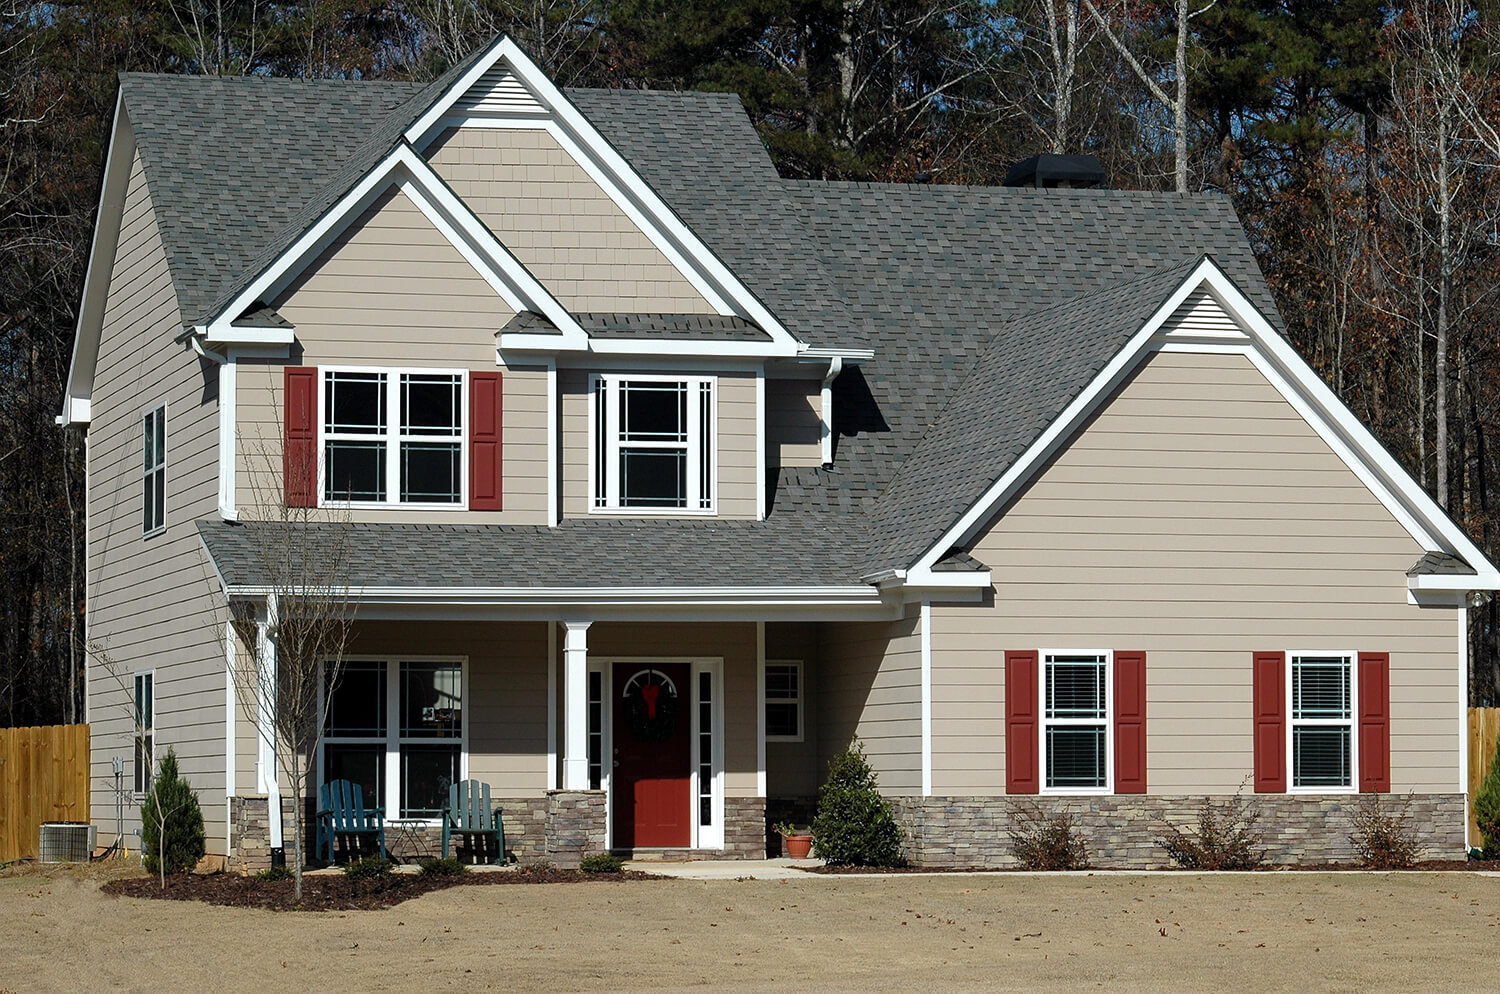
{"points": [[1068, 172]]}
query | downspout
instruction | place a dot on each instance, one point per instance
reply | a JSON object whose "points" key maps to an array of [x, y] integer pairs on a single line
{"points": [[835, 367]]}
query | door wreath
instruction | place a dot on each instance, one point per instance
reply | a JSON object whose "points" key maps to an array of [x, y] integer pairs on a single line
{"points": [[651, 706]]}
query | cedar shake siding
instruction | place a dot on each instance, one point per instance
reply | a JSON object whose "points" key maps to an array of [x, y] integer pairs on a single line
{"points": [[564, 228], [736, 445], [151, 600], [794, 423], [365, 302], [1200, 519]]}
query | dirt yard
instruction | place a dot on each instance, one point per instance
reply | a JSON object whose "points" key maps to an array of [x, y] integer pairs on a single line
{"points": [[1000, 932]]}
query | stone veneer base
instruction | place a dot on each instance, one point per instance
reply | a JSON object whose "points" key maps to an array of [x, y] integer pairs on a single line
{"points": [[1123, 831]]}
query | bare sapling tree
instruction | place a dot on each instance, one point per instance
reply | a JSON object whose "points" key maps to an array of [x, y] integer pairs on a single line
{"points": [[1175, 102], [1053, 38], [297, 631]]}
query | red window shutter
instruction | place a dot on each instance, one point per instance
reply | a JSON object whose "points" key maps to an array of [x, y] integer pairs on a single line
{"points": [[1269, 680], [1130, 722], [484, 441], [1022, 727], [1374, 722], [300, 438]]}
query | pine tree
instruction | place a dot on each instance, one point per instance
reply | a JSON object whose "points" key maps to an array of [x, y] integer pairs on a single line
{"points": [[172, 839]]}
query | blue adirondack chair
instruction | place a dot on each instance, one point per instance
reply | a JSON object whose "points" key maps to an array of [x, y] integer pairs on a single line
{"points": [[342, 812], [469, 814]]}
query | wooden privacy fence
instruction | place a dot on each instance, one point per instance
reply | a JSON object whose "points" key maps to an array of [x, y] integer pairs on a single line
{"points": [[44, 776], [1484, 726]]}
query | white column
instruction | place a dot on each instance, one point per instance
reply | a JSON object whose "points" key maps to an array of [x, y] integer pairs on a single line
{"points": [[265, 704], [760, 708], [576, 705]]}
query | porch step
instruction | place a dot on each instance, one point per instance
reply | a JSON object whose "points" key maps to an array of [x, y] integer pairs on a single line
{"points": [[667, 855]]}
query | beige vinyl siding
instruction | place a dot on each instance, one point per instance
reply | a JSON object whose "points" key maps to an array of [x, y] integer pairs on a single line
{"points": [[736, 444], [794, 423], [1198, 518], [150, 600], [734, 643], [393, 292], [796, 769], [870, 686], [507, 690], [559, 223]]}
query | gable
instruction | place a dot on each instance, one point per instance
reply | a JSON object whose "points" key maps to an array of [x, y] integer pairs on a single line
{"points": [[561, 224], [392, 278]]}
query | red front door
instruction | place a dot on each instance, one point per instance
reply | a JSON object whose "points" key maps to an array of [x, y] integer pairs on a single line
{"points": [[652, 774]]}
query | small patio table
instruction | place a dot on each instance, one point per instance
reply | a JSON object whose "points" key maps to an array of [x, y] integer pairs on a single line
{"points": [[410, 839]]}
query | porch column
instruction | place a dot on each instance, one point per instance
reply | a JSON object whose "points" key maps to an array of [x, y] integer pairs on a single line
{"points": [[576, 705], [266, 684]]}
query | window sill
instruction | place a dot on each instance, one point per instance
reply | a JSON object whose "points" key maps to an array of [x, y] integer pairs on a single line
{"points": [[1076, 791], [385, 505], [654, 512], [784, 738], [154, 532], [1323, 790]]}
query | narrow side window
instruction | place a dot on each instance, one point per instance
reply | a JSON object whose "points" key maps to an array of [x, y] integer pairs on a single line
{"points": [[154, 470]]}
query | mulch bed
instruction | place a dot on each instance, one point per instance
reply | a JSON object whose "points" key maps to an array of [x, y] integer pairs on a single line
{"points": [[326, 892], [1446, 865]]}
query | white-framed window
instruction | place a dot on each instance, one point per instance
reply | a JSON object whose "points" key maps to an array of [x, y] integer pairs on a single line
{"points": [[144, 714], [393, 437], [652, 443], [397, 727], [783, 700], [1077, 733], [1320, 703], [154, 470]]}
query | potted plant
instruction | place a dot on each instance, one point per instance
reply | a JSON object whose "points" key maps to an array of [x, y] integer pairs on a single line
{"points": [[797, 839]]}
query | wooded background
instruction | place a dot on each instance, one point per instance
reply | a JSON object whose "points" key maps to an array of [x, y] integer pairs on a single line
{"points": [[1359, 142]]}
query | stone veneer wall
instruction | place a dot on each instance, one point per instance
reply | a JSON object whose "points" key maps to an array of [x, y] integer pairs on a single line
{"points": [[1121, 832], [250, 839], [574, 825]]}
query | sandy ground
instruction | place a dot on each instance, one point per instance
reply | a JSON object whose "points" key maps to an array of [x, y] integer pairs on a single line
{"points": [[1284, 932]]}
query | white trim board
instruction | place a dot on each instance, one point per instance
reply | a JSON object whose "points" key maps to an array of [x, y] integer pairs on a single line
{"points": [[1417, 512]]}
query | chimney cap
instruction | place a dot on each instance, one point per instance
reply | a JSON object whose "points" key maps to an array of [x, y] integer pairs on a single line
{"points": [[1069, 171]]}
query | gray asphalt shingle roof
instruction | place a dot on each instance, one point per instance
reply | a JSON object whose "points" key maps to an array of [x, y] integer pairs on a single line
{"points": [[1440, 564], [987, 308]]}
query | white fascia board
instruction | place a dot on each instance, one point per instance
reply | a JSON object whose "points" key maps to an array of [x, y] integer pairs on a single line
{"points": [[656, 349], [1489, 580], [596, 149], [407, 171], [96, 276], [1295, 380], [1062, 426], [831, 596], [944, 580]]}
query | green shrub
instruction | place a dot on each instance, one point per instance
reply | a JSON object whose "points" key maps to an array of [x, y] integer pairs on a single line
{"points": [[854, 825], [274, 873], [541, 866], [171, 822], [1383, 837], [449, 867], [1226, 837], [1042, 841], [601, 862], [1487, 807], [367, 868]]}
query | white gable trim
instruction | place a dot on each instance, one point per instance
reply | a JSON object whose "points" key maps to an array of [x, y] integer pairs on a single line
{"points": [[1417, 512], [78, 393], [618, 178], [406, 170]]}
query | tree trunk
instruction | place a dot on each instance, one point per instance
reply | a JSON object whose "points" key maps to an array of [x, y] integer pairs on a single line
{"points": [[297, 859], [1445, 279], [1179, 108]]}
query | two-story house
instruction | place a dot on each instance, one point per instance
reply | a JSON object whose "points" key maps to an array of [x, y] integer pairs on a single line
{"points": [[664, 477]]}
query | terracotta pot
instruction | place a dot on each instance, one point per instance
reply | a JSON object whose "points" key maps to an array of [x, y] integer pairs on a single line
{"points": [[798, 846]]}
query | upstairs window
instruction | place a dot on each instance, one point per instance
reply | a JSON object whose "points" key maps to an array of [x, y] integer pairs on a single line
{"points": [[393, 437], [154, 476], [1322, 725], [653, 444]]}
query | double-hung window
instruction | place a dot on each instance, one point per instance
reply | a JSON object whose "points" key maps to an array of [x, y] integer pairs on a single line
{"points": [[396, 728], [784, 701], [154, 474], [393, 437], [1075, 721], [1322, 725], [145, 729], [653, 443]]}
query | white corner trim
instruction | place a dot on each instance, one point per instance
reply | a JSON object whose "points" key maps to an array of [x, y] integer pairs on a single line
{"points": [[926, 698], [231, 705], [552, 705], [1294, 379], [1463, 714], [760, 709], [626, 186], [554, 509], [760, 444], [228, 426]]}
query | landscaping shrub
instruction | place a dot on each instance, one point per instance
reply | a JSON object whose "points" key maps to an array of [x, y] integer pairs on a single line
{"points": [[854, 825], [601, 862], [1487, 807], [1225, 838], [1384, 838], [171, 822], [367, 868], [448, 867], [1042, 841], [274, 873]]}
